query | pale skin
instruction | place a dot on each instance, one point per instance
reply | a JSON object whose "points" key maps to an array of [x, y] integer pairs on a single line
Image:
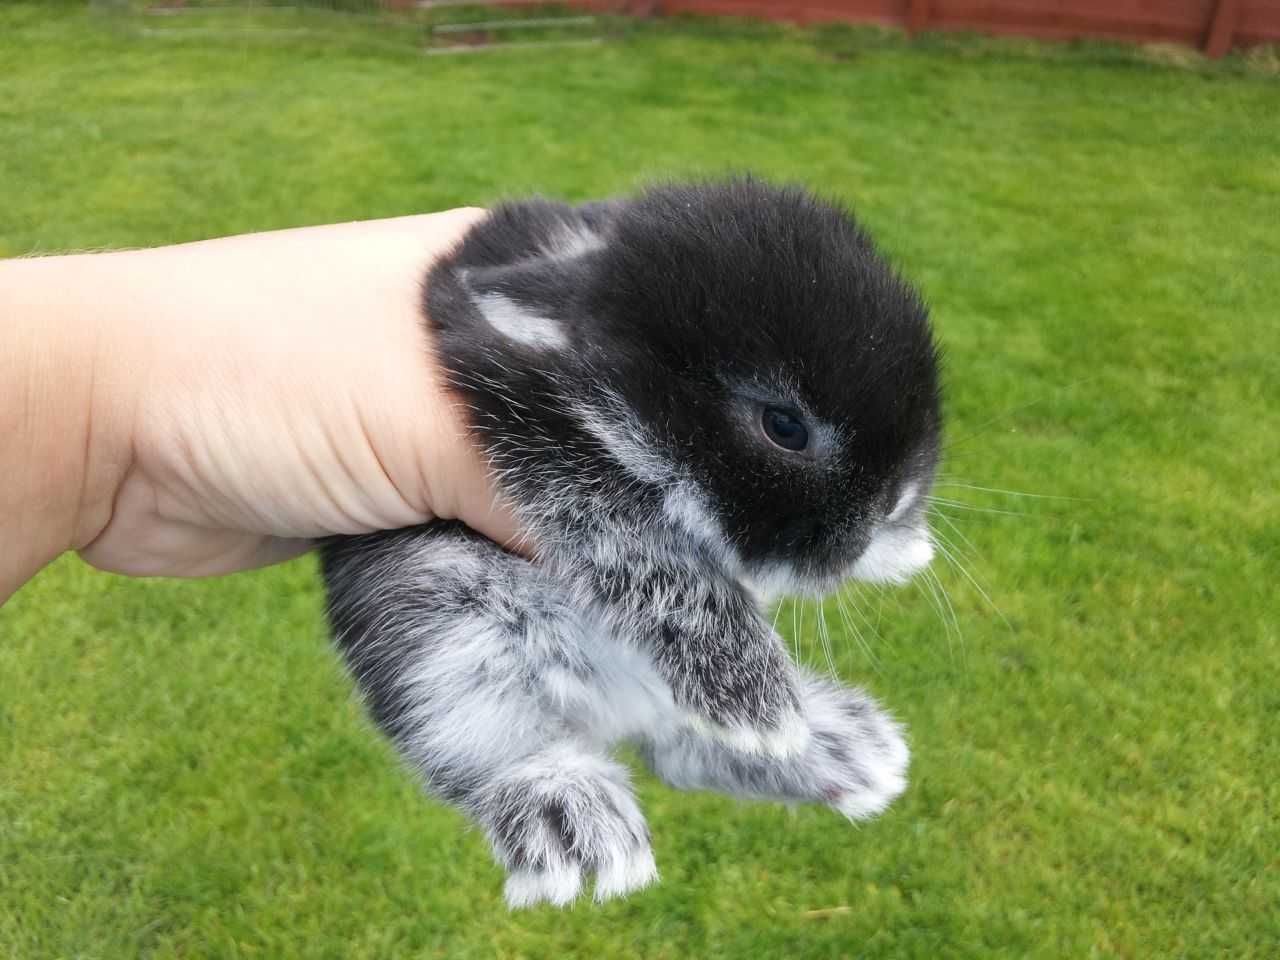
{"points": [[212, 407]]}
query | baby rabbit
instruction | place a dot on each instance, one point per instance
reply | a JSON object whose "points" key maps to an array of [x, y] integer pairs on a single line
{"points": [[694, 400]]}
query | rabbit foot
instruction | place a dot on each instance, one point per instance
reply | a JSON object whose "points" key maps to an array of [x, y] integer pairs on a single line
{"points": [[564, 818], [561, 884]]}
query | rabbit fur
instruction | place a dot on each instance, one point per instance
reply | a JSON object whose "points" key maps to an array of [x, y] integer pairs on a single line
{"points": [[694, 400]]}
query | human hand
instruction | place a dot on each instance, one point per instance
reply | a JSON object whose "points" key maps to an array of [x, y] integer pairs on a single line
{"points": [[251, 393]]}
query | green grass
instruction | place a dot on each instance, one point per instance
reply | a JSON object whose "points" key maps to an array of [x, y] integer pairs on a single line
{"points": [[184, 772]]}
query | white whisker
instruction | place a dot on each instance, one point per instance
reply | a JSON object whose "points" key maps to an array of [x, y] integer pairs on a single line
{"points": [[961, 505], [974, 582], [824, 638], [852, 628], [954, 529], [946, 612], [1009, 493], [926, 584]]}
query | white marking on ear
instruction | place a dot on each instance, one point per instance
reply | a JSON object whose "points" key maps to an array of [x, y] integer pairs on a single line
{"points": [[520, 324], [574, 241], [895, 555]]}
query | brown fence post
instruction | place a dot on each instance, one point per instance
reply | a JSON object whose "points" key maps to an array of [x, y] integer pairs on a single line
{"points": [[1222, 28], [917, 15]]}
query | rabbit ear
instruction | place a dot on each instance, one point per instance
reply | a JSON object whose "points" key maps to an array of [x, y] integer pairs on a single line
{"points": [[530, 303]]}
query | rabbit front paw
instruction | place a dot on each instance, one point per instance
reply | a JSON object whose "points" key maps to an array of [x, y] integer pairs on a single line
{"points": [[858, 757], [571, 817]]}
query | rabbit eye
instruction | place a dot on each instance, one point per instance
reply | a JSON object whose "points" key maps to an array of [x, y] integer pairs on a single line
{"points": [[784, 429]]}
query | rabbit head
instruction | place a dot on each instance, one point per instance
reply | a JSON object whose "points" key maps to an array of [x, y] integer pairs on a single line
{"points": [[731, 366]]}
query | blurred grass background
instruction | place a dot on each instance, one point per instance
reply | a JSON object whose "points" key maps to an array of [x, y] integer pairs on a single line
{"points": [[184, 771]]}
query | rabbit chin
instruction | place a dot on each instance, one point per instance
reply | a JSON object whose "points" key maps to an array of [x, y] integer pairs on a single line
{"points": [[895, 554]]}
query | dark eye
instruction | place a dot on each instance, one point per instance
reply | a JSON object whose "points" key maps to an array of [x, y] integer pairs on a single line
{"points": [[784, 428]]}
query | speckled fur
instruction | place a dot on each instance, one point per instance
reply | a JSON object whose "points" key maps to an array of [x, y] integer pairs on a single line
{"points": [[612, 385]]}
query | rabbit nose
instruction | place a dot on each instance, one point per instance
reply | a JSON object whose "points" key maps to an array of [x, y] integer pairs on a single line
{"points": [[808, 532]]}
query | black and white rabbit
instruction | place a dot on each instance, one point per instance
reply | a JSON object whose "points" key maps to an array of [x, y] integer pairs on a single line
{"points": [[694, 400]]}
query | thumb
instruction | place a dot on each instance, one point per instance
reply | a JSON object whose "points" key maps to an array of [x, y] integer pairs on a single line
{"points": [[480, 511]]}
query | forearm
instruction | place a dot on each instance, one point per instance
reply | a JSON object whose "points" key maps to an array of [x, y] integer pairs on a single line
{"points": [[64, 447]]}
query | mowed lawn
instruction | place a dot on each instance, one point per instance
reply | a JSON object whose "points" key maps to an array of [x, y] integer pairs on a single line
{"points": [[1094, 704]]}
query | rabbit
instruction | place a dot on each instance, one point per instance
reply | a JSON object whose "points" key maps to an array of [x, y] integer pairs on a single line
{"points": [[695, 400]]}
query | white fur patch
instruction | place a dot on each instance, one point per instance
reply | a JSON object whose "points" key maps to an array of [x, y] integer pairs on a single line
{"points": [[520, 324], [619, 877], [627, 698], [905, 502], [788, 740], [558, 885], [771, 583], [859, 805], [627, 444], [685, 506], [895, 555]]}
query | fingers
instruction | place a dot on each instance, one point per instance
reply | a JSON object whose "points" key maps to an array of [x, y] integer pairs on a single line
{"points": [[180, 550]]}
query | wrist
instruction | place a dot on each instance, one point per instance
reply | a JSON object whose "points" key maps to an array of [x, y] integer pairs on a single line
{"points": [[64, 448]]}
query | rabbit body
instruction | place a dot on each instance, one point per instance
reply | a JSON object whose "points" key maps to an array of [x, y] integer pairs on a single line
{"points": [[693, 400]]}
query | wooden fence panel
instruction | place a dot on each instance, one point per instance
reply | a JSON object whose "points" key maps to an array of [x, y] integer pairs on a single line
{"points": [[1216, 25], [891, 12], [1067, 19], [1259, 23]]}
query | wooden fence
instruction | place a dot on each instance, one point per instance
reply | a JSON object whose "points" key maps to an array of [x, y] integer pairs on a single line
{"points": [[1216, 26]]}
